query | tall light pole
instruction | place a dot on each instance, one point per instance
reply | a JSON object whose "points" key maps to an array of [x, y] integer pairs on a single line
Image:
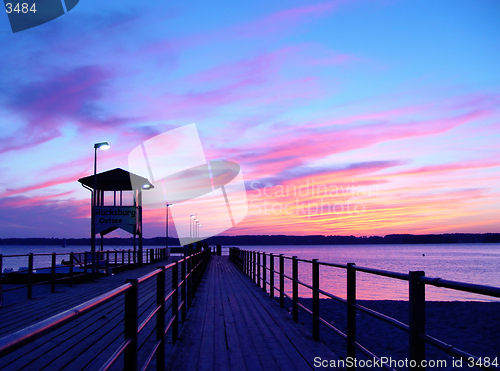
{"points": [[104, 146], [199, 225], [190, 229], [166, 239]]}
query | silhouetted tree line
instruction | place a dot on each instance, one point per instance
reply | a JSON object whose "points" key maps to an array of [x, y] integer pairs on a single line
{"points": [[278, 240]]}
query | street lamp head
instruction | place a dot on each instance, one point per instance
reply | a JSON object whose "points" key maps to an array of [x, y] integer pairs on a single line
{"points": [[146, 186], [169, 205], [102, 145], [192, 216]]}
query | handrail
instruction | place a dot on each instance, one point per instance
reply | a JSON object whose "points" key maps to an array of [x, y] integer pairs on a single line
{"points": [[193, 267], [250, 263], [109, 259]]}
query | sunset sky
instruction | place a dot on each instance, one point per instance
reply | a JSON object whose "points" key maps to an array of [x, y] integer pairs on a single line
{"points": [[346, 117]]}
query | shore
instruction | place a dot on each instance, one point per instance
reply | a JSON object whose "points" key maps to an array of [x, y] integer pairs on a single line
{"points": [[473, 327]]}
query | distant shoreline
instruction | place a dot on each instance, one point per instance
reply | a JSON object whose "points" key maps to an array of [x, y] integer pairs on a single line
{"points": [[270, 240]]}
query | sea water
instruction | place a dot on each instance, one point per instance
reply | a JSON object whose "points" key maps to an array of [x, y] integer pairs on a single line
{"points": [[471, 263]]}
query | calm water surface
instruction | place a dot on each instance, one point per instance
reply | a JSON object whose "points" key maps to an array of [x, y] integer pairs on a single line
{"points": [[472, 263]]}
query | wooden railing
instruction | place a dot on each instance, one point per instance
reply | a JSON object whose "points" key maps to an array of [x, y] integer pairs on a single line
{"points": [[186, 275], [260, 265]]}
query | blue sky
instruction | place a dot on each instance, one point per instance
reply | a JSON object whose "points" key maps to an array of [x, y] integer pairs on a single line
{"points": [[400, 95]]}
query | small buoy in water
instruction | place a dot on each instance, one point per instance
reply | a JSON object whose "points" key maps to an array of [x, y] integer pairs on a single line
{"points": [[423, 254]]}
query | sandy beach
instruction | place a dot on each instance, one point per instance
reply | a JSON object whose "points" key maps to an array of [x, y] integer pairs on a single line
{"points": [[473, 327]]}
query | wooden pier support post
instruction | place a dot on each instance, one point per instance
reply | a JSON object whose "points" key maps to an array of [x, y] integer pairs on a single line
{"points": [[254, 266], [282, 281], [160, 318], [271, 276], [258, 267], [295, 288], [315, 297], [71, 260], [351, 311], [85, 263], [175, 302], [131, 325], [247, 263], [184, 284], [30, 276], [264, 273], [53, 273], [417, 319], [189, 281]]}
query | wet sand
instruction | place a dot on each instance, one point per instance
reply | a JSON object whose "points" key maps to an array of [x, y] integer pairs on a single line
{"points": [[473, 327]]}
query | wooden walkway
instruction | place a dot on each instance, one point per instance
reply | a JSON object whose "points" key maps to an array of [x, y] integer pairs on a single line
{"points": [[234, 325], [83, 344]]}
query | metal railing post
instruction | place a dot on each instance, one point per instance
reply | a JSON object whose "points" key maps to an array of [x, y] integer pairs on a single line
{"points": [[160, 319], [351, 311], [315, 297], [30, 276], [131, 325], [282, 281], [264, 273], [295, 288], [417, 319], [53, 273], [271, 276], [175, 302]]}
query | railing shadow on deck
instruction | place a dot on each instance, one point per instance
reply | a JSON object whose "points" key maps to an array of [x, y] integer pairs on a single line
{"points": [[186, 276], [260, 265]]}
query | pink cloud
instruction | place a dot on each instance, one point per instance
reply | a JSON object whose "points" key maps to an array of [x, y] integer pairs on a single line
{"points": [[285, 19], [37, 186], [445, 168], [49, 104], [298, 147]]}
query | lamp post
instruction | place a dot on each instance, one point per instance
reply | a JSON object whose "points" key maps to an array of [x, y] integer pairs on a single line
{"points": [[166, 239], [104, 146], [190, 229]]}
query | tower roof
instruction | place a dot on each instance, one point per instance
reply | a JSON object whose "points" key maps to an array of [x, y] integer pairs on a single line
{"points": [[115, 180]]}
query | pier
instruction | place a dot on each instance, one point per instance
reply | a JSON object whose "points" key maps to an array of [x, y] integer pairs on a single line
{"points": [[229, 324], [205, 312], [234, 325]]}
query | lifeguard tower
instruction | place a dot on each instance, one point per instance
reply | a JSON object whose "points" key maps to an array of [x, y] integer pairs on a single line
{"points": [[118, 204]]}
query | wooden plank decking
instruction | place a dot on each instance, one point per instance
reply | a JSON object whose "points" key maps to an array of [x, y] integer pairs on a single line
{"points": [[83, 344], [234, 325]]}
